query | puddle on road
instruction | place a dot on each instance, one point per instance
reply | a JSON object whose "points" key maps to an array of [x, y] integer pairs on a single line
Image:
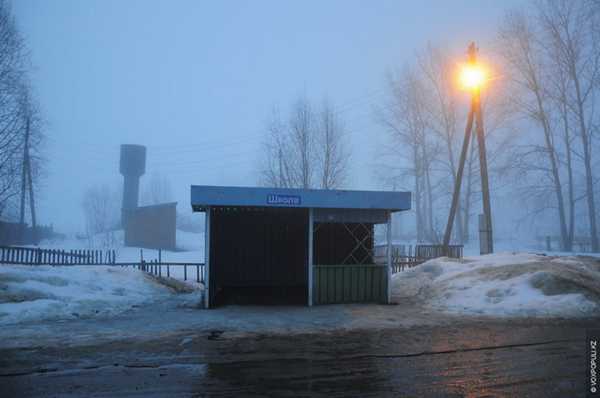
{"points": [[429, 362], [215, 334], [486, 358]]}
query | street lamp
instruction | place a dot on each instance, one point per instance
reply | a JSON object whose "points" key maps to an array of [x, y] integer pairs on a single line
{"points": [[473, 77]]}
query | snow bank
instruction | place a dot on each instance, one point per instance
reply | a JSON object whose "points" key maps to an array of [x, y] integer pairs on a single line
{"points": [[506, 284], [45, 292]]}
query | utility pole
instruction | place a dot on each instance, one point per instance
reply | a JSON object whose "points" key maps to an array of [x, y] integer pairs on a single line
{"points": [[30, 181], [23, 186], [473, 81], [27, 184], [485, 228]]}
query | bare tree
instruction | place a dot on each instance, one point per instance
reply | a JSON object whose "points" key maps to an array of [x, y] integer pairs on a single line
{"points": [[302, 137], [425, 117], [277, 168], [12, 66], [307, 151], [157, 190], [442, 113], [559, 96], [522, 53], [570, 29], [404, 117], [21, 135], [332, 153], [102, 214], [553, 59]]}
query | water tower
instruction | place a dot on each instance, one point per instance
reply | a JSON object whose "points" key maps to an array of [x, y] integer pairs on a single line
{"points": [[151, 226], [132, 166]]}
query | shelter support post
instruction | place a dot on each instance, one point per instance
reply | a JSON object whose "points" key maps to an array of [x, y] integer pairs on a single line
{"points": [[207, 258], [310, 256], [389, 257]]}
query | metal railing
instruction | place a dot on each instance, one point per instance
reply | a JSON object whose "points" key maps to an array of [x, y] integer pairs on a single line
{"points": [[159, 269]]}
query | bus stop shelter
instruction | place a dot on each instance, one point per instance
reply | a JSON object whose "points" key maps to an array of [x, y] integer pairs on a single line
{"points": [[295, 246]]}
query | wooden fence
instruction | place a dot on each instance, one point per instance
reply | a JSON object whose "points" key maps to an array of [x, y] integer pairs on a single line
{"points": [[408, 256], [435, 251], [36, 256]]}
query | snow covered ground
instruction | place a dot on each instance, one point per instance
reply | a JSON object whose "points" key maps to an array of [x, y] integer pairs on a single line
{"points": [[505, 284], [68, 292], [190, 249], [46, 292]]}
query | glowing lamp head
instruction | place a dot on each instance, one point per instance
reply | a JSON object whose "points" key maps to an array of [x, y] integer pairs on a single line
{"points": [[472, 77]]}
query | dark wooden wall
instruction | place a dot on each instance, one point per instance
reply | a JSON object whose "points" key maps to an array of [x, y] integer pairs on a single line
{"points": [[258, 252], [23, 234], [333, 242]]}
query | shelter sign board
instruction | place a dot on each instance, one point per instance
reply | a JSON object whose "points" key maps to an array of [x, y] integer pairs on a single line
{"points": [[288, 200]]}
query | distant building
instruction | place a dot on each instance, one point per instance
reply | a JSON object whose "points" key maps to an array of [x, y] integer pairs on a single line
{"points": [[153, 227], [13, 233]]}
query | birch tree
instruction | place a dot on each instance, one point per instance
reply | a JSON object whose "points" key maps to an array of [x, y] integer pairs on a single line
{"points": [[404, 118], [522, 53], [553, 59], [570, 29]]}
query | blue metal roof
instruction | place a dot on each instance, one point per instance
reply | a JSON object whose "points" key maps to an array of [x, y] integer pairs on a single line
{"points": [[203, 196]]}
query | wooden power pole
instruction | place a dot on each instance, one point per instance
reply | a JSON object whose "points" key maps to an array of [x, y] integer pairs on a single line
{"points": [[31, 196], [23, 187], [475, 112], [27, 184]]}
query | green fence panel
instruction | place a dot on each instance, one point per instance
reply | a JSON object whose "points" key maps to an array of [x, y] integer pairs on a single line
{"points": [[350, 284]]}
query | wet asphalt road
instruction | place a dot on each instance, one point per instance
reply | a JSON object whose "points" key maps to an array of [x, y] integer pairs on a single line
{"points": [[477, 358]]}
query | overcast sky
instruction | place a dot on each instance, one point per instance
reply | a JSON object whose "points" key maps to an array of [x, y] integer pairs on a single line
{"points": [[195, 81]]}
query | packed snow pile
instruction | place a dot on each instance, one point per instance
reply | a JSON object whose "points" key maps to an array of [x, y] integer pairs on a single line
{"points": [[505, 285], [45, 292]]}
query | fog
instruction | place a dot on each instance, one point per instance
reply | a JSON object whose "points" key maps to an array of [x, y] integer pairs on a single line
{"points": [[195, 81]]}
